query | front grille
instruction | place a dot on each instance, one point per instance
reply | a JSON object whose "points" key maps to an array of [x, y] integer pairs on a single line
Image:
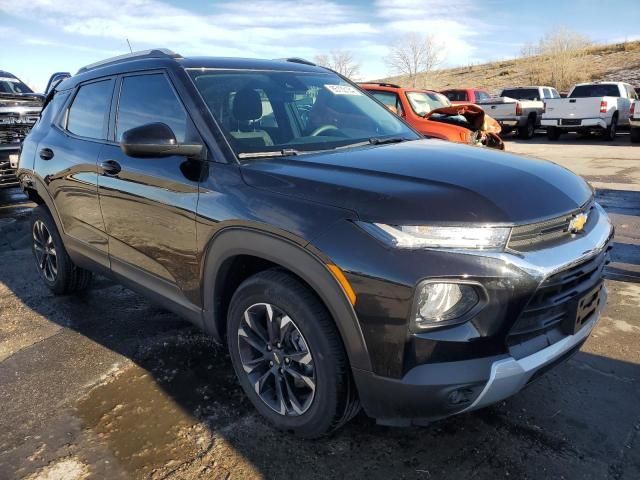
{"points": [[13, 133], [548, 233], [7, 174], [551, 312], [571, 121]]}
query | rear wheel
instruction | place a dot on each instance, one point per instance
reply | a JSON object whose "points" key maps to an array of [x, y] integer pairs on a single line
{"points": [[527, 132], [635, 135], [553, 133], [288, 355], [55, 267], [611, 132]]}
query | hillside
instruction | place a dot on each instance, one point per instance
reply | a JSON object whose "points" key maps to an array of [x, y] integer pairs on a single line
{"points": [[618, 62]]}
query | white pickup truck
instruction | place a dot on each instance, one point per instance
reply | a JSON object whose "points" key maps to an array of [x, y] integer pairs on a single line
{"points": [[634, 121], [598, 106], [519, 108]]}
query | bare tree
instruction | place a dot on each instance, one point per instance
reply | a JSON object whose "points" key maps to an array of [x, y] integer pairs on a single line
{"points": [[414, 53], [342, 61], [532, 67], [564, 50]]}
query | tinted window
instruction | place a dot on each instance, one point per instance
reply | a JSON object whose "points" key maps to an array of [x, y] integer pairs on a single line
{"points": [[456, 95], [10, 84], [595, 90], [89, 109], [521, 93], [149, 99]]}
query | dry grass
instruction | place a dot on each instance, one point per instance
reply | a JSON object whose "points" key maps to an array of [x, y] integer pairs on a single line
{"points": [[620, 61]]}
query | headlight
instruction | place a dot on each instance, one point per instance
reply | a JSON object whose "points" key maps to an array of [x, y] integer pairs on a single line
{"points": [[415, 236], [443, 303]]}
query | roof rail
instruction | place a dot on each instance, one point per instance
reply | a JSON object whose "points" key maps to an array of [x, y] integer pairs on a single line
{"points": [[382, 84], [299, 60], [153, 53]]}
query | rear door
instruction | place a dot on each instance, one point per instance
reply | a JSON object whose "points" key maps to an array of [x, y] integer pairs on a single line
{"points": [[149, 204], [66, 158]]}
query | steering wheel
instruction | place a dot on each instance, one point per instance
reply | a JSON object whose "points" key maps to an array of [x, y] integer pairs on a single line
{"points": [[326, 128]]}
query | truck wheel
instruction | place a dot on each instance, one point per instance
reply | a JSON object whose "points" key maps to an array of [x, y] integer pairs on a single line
{"points": [[611, 132], [55, 267], [288, 355], [635, 135], [553, 133], [528, 130]]}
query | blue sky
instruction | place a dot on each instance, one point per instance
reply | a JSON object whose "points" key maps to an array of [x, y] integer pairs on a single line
{"points": [[40, 37]]}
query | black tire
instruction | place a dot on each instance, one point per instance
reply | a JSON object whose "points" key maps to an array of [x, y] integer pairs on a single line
{"points": [[553, 133], [528, 131], [634, 134], [334, 400], [612, 130], [54, 265], [506, 131]]}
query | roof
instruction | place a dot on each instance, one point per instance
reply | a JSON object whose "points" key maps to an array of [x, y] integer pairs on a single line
{"points": [[165, 58]]}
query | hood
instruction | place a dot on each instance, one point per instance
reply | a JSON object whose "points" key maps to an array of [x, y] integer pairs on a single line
{"points": [[425, 181], [21, 100]]}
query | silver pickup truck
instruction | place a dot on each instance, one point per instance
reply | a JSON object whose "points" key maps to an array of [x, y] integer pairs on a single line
{"points": [[519, 108]]}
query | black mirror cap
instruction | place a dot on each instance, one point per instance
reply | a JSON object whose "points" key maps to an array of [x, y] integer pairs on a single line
{"points": [[155, 140]]}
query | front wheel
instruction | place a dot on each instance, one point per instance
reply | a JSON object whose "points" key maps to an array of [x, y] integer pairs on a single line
{"points": [[288, 355], [55, 267]]}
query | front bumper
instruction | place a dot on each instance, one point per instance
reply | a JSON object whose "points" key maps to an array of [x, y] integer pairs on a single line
{"points": [[430, 391], [8, 169], [580, 123]]}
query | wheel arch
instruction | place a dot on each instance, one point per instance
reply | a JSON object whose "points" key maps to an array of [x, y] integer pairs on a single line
{"points": [[267, 250]]}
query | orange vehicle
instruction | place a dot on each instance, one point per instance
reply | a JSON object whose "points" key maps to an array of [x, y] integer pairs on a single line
{"points": [[433, 115]]}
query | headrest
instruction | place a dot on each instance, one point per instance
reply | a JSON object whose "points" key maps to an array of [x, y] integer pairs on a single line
{"points": [[247, 105]]}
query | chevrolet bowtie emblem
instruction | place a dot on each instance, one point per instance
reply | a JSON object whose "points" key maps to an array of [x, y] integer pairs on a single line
{"points": [[577, 223]]}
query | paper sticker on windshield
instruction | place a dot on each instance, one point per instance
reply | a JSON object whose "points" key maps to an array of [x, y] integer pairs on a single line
{"points": [[342, 90]]}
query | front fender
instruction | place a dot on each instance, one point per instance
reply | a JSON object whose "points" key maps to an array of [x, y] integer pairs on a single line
{"points": [[233, 241]]}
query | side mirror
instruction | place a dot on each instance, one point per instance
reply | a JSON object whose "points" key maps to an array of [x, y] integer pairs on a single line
{"points": [[155, 140]]}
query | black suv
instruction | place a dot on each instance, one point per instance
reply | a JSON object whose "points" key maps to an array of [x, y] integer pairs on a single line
{"points": [[345, 260], [19, 110]]}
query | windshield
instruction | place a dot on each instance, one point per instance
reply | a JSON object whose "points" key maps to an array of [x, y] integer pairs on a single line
{"points": [[595, 90], [522, 93], [13, 86], [423, 102], [275, 111]]}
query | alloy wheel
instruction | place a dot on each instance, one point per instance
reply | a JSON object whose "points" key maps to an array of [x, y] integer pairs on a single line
{"points": [[276, 359], [45, 251]]}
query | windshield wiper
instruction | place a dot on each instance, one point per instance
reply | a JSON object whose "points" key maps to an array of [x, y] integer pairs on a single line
{"points": [[384, 140], [285, 152]]}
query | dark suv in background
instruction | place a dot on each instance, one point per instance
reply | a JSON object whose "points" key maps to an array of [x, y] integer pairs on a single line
{"points": [[345, 260], [19, 110]]}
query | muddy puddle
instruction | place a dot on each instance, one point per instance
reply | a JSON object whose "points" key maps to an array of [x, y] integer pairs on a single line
{"points": [[162, 412]]}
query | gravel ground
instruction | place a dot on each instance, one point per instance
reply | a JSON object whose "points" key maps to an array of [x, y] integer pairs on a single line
{"points": [[108, 385]]}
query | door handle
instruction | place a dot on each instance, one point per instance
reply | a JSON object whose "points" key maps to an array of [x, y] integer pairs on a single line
{"points": [[111, 167], [46, 154]]}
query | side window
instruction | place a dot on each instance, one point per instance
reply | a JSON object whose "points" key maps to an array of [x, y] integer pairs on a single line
{"points": [[554, 93], [49, 113], [390, 99], [546, 93], [149, 99], [482, 96], [88, 112]]}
